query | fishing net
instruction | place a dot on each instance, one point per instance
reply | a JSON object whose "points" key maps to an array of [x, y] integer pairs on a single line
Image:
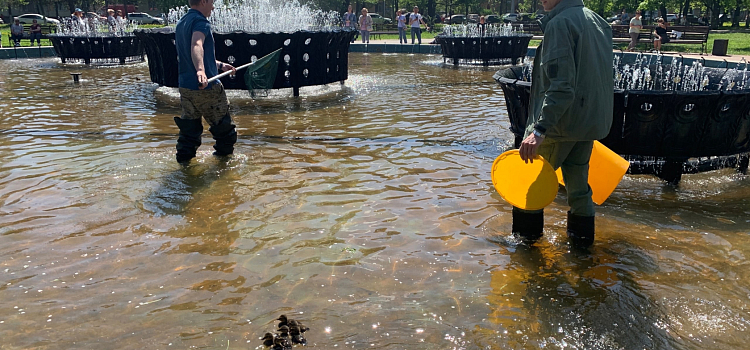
{"points": [[261, 75]]}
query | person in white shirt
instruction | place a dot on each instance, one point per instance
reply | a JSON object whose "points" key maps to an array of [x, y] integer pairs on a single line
{"points": [[16, 32], [416, 21], [401, 27], [365, 26], [635, 30]]}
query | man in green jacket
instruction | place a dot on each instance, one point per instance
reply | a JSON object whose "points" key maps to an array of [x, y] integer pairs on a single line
{"points": [[570, 107]]}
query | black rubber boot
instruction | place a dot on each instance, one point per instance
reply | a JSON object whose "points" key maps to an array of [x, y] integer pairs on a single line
{"points": [[225, 135], [581, 230], [190, 138], [528, 226]]}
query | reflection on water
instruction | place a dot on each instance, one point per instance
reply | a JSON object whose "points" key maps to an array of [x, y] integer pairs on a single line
{"points": [[364, 210]]}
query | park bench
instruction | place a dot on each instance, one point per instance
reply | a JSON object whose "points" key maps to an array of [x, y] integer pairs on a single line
{"points": [[378, 33], [621, 34], [697, 35], [530, 28], [46, 30]]}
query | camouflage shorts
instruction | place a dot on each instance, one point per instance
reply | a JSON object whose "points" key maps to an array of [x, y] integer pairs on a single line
{"points": [[210, 103]]}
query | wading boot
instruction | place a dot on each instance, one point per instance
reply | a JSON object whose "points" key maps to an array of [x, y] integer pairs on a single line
{"points": [[528, 226], [189, 139], [225, 135], [581, 230]]}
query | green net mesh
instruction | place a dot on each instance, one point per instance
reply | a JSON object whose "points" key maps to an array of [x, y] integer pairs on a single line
{"points": [[261, 75]]}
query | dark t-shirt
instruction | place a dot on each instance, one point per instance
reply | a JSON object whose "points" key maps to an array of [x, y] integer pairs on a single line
{"points": [[194, 21], [35, 28], [662, 33]]}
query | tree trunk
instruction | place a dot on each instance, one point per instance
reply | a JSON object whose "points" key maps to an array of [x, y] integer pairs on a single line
{"points": [[736, 16], [663, 11], [715, 24], [685, 9], [431, 5]]}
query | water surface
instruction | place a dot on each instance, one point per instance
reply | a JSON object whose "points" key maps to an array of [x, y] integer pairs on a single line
{"points": [[365, 210]]}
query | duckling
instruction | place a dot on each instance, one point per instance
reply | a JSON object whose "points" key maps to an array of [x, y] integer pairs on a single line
{"points": [[281, 343], [268, 340], [297, 337], [299, 325], [284, 332], [283, 321]]}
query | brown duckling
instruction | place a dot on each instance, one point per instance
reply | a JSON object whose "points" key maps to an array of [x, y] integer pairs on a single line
{"points": [[268, 340], [281, 343], [297, 337], [284, 331], [283, 321], [299, 325]]}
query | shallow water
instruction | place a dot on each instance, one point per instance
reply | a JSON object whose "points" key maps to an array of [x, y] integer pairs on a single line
{"points": [[365, 210]]}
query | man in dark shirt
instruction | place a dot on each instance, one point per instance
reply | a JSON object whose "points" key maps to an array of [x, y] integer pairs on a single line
{"points": [[570, 107], [197, 63]]}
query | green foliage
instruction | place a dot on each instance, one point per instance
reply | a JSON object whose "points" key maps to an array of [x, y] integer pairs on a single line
{"points": [[165, 5]]}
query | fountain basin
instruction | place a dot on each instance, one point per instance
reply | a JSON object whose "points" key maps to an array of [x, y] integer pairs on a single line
{"points": [[308, 58], [487, 50], [659, 131], [102, 48]]}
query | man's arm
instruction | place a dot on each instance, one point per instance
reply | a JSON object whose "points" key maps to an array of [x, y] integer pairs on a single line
{"points": [[559, 67], [196, 53]]}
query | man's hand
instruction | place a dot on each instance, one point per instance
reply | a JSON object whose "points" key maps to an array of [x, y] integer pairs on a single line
{"points": [[202, 80], [529, 147], [226, 66]]}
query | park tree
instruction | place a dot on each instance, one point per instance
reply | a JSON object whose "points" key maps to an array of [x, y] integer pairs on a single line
{"points": [[10, 4], [165, 5]]}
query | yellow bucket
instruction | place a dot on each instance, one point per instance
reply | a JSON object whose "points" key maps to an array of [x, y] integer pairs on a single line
{"points": [[529, 186], [606, 169]]}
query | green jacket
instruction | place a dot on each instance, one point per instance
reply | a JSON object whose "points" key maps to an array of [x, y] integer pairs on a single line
{"points": [[572, 82]]}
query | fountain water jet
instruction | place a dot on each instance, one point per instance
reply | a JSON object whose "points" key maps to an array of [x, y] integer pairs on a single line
{"points": [[493, 44], [97, 40], [668, 119]]}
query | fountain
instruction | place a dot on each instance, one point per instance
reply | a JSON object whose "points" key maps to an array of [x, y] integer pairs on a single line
{"points": [[315, 51], [97, 41], [669, 118], [493, 44]]}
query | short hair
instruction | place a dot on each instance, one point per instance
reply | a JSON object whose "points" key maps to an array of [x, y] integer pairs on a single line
{"points": [[194, 2], [110, 11]]}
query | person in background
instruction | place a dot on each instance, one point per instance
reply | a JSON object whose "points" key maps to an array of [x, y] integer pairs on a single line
{"points": [[16, 32], [78, 22], [35, 32], [482, 26], [365, 26], [111, 21], [635, 30], [196, 64], [120, 18], [401, 19], [415, 22], [350, 20], [570, 106], [660, 34], [624, 18]]}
